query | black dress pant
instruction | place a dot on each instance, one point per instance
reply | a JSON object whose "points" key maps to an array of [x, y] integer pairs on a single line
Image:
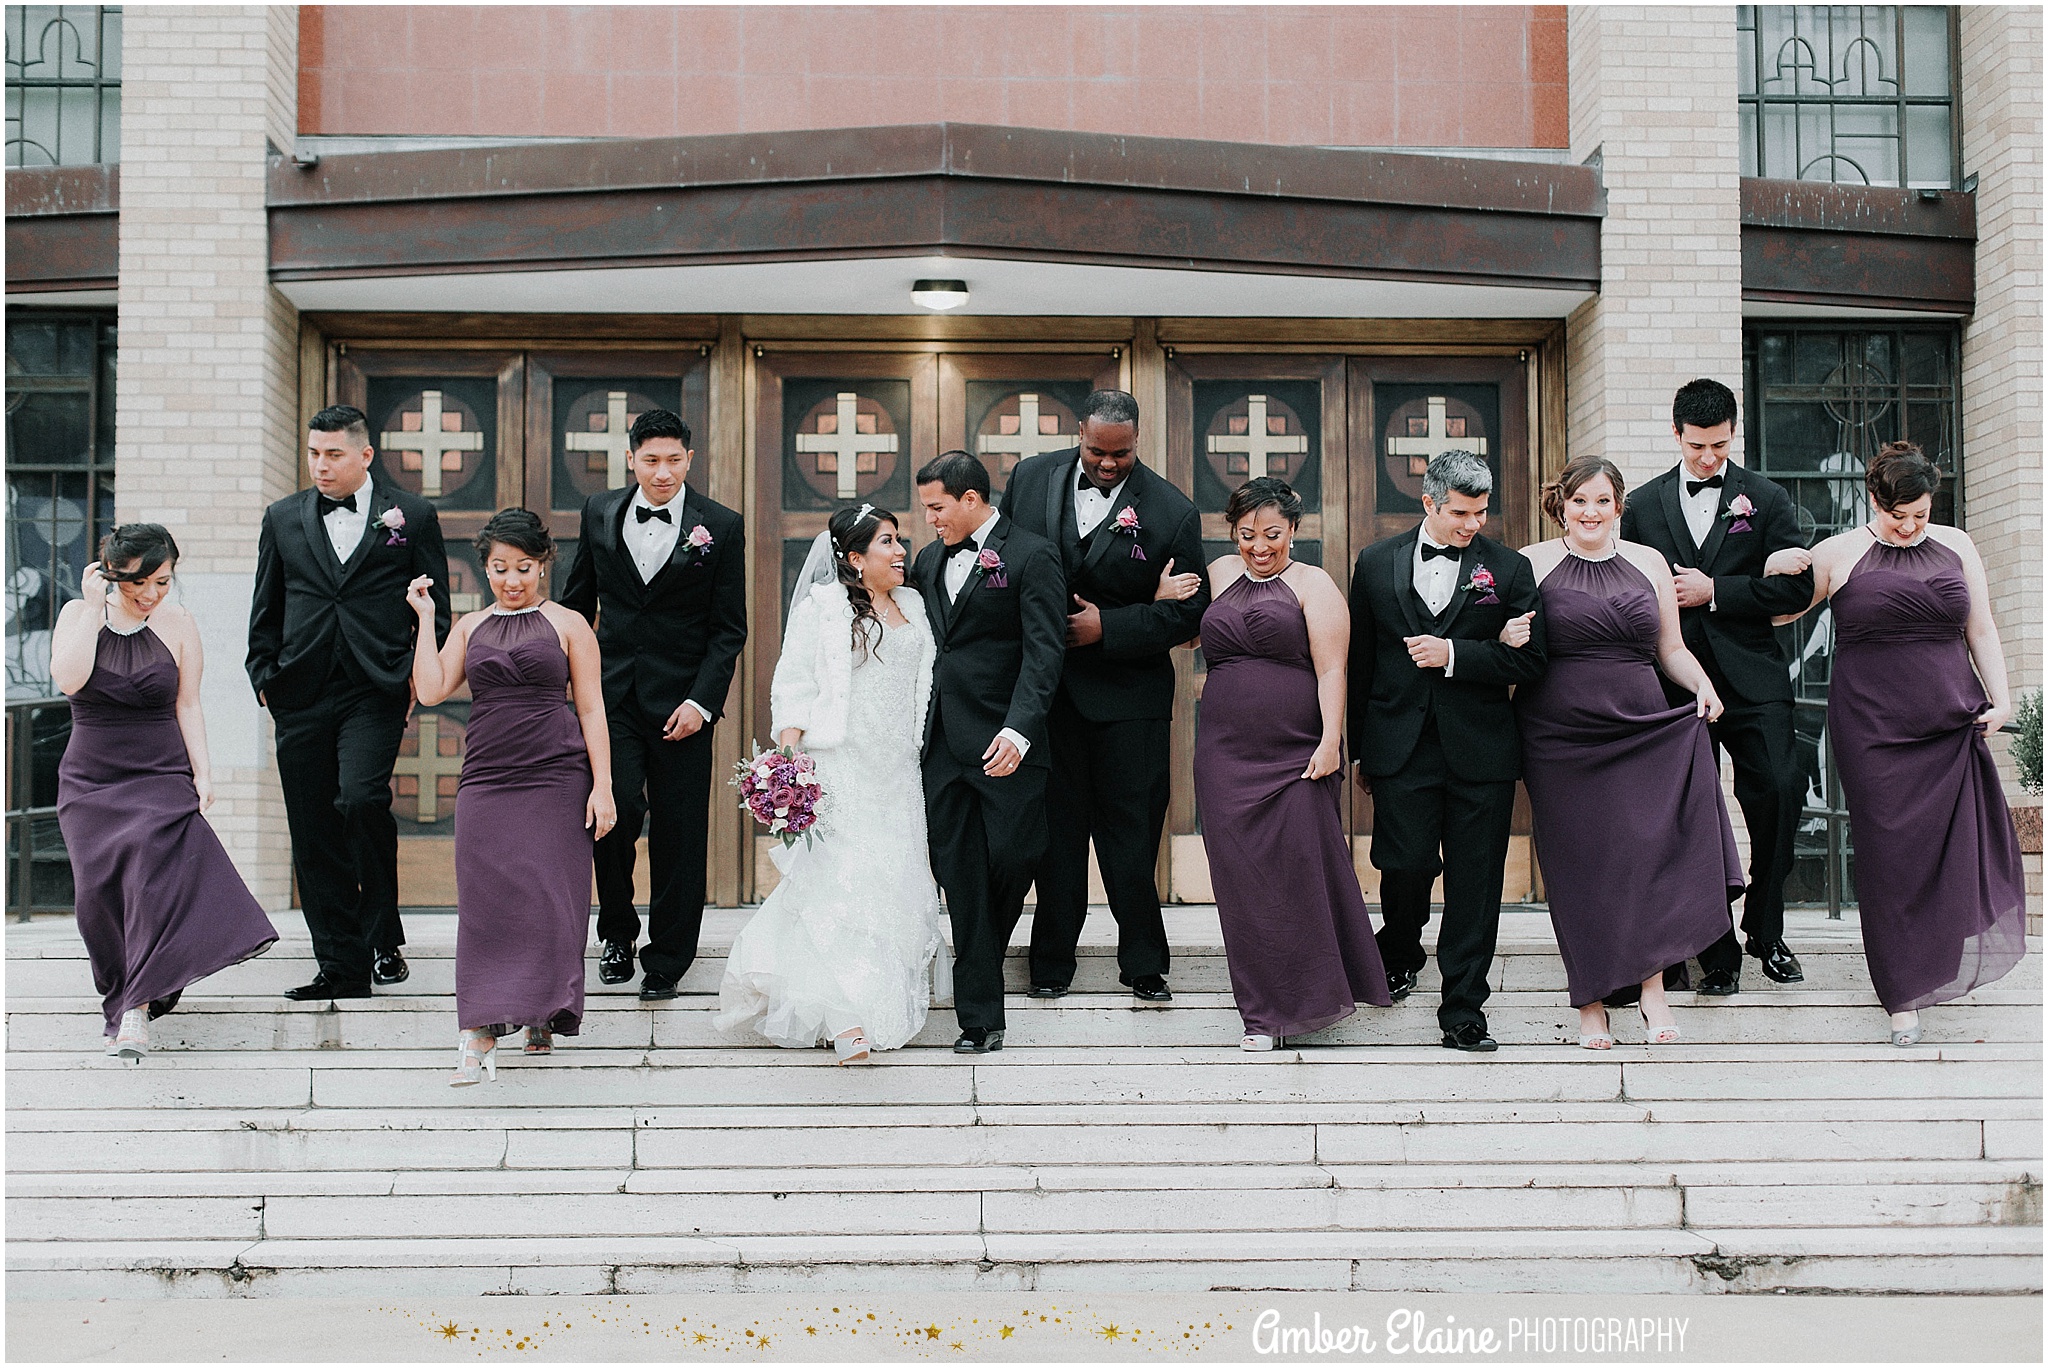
{"points": [[1426, 821], [1112, 781], [987, 835], [1770, 788], [334, 761], [666, 784]]}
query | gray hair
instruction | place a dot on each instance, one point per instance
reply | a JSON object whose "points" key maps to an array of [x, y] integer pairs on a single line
{"points": [[1457, 470]]}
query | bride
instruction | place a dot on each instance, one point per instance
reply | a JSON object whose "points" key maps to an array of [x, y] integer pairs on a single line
{"points": [[848, 946]]}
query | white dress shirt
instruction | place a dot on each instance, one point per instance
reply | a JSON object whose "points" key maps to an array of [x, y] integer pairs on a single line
{"points": [[1091, 505], [958, 568], [1436, 580], [651, 543], [345, 529], [1700, 511]]}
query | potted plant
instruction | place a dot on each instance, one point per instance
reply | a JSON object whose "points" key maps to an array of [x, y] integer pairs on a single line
{"points": [[2026, 758]]}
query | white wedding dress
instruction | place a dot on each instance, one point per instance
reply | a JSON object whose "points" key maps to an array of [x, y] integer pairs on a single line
{"points": [[851, 936]]}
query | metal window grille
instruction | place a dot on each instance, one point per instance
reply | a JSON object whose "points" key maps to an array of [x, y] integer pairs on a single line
{"points": [[63, 85], [60, 502], [1857, 94], [1821, 400]]}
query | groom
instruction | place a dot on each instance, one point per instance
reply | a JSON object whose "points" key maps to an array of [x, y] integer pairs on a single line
{"points": [[996, 599], [1435, 735], [662, 573], [330, 655], [1118, 525]]}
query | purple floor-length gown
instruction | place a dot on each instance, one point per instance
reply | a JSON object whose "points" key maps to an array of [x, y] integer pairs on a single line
{"points": [[160, 904], [1638, 855], [1295, 930], [522, 853], [1938, 876]]}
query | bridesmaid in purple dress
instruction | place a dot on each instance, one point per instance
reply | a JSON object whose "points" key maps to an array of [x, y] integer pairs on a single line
{"points": [[1938, 877], [535, 792], [1269, 776], [160, 905], [1638, 855]]}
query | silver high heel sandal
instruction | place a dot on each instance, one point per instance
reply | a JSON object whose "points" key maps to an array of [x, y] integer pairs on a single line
{"points": [[479, 1059], [133, 1041], [851, 1046], [540, 1040], [1602, 1039], [1261, 1044], [1908, 1035], [1658, 1035]]}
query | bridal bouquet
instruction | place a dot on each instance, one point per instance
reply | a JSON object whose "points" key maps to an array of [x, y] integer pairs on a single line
{"points": [[781, 788]]}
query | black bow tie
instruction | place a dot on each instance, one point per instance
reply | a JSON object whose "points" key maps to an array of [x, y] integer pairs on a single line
{"points": [[1450, 552], [1711, 482], [643, 514], [328, 505], [961, 547]]}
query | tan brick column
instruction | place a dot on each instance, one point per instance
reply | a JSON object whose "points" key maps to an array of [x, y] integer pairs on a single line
{"points": [[1653, 93], [208, 366]]}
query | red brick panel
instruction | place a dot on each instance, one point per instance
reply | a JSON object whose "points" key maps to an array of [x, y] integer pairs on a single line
{"points": [[1392, 76]]}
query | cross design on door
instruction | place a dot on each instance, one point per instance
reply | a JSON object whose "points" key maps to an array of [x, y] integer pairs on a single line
{"points": [[611, 445], [1261, 445], [427, 443], [1028, 432], [427, 768], [1441, 432], [846, 443]]}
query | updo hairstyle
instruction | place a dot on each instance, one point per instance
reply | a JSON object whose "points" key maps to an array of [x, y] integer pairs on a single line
{"points": [[1576, 474], [520, 529], [1264, 492], [853, 531], [1899, 474], [140, 549]]}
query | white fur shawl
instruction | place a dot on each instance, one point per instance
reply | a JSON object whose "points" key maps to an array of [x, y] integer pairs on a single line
{"points": [[814, 676]]}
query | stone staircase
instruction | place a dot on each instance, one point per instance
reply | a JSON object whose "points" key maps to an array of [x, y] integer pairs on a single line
{"points": [[268, 1148]]}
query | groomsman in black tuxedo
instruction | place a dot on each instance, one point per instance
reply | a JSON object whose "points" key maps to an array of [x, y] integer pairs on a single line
{"points": [[330, 655], [1118, 526], [1716, 525], [996, 598], [1434, 732], [661, 571]]}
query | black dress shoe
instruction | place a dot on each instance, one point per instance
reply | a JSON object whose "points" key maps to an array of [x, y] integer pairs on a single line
{"points": [[390, 968], [324, 989], [163, 1006], [1048, 990], [1401, 982], [1719, 983], [1151, 988], [655, 988], [978, 1040], [1779, 963], [1469, 1035], [615, 965]]}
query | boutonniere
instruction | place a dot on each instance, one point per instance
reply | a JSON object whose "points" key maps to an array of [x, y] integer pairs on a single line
{"points": [[992, 568], [699, 539], [1738, 512], [1127, 523], [393, 521], [1481, 584]]}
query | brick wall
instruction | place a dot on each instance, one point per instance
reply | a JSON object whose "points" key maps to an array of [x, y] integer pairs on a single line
{"points": [[1411, 76], [1653, 93], [207, 366]]}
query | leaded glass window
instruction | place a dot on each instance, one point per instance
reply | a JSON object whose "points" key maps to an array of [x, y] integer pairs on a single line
{"points": [[63, 85], [1856, 94], [1821, 399]]}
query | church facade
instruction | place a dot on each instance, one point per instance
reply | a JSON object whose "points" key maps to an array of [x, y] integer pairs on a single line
{"points": [[1316, 243]]}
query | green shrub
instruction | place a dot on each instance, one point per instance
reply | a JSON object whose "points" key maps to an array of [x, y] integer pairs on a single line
{"points": [[2026, 746]]}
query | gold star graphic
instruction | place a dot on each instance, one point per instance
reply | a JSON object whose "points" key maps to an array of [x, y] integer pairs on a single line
{"points": [[1008, 1330], [810, 1329], [761, 1343], [954, 1345], [1109, 1332], [450, 1330], [931, 1332], [703, 1338]]}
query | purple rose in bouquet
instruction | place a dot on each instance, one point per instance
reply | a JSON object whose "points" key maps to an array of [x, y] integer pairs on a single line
{"points": [[780, 788]]}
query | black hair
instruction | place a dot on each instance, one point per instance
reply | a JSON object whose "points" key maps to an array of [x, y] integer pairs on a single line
{"points": [[141, 547], [346, 419], [519, 528], [853, 531], [1899, 474], [1702, 404], [1109, 406], [1264, 492], [958, 472], [659, 423]]}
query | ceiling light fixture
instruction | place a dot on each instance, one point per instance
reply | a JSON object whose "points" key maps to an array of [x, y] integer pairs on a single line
{"points": [[939, 294]]}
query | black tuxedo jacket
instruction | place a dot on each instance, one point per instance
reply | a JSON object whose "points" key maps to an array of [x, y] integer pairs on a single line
{"points": [[1734, 640], [678, 637], [1390, 696], [1000, 645], [1128, 674], [304, 600]]}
